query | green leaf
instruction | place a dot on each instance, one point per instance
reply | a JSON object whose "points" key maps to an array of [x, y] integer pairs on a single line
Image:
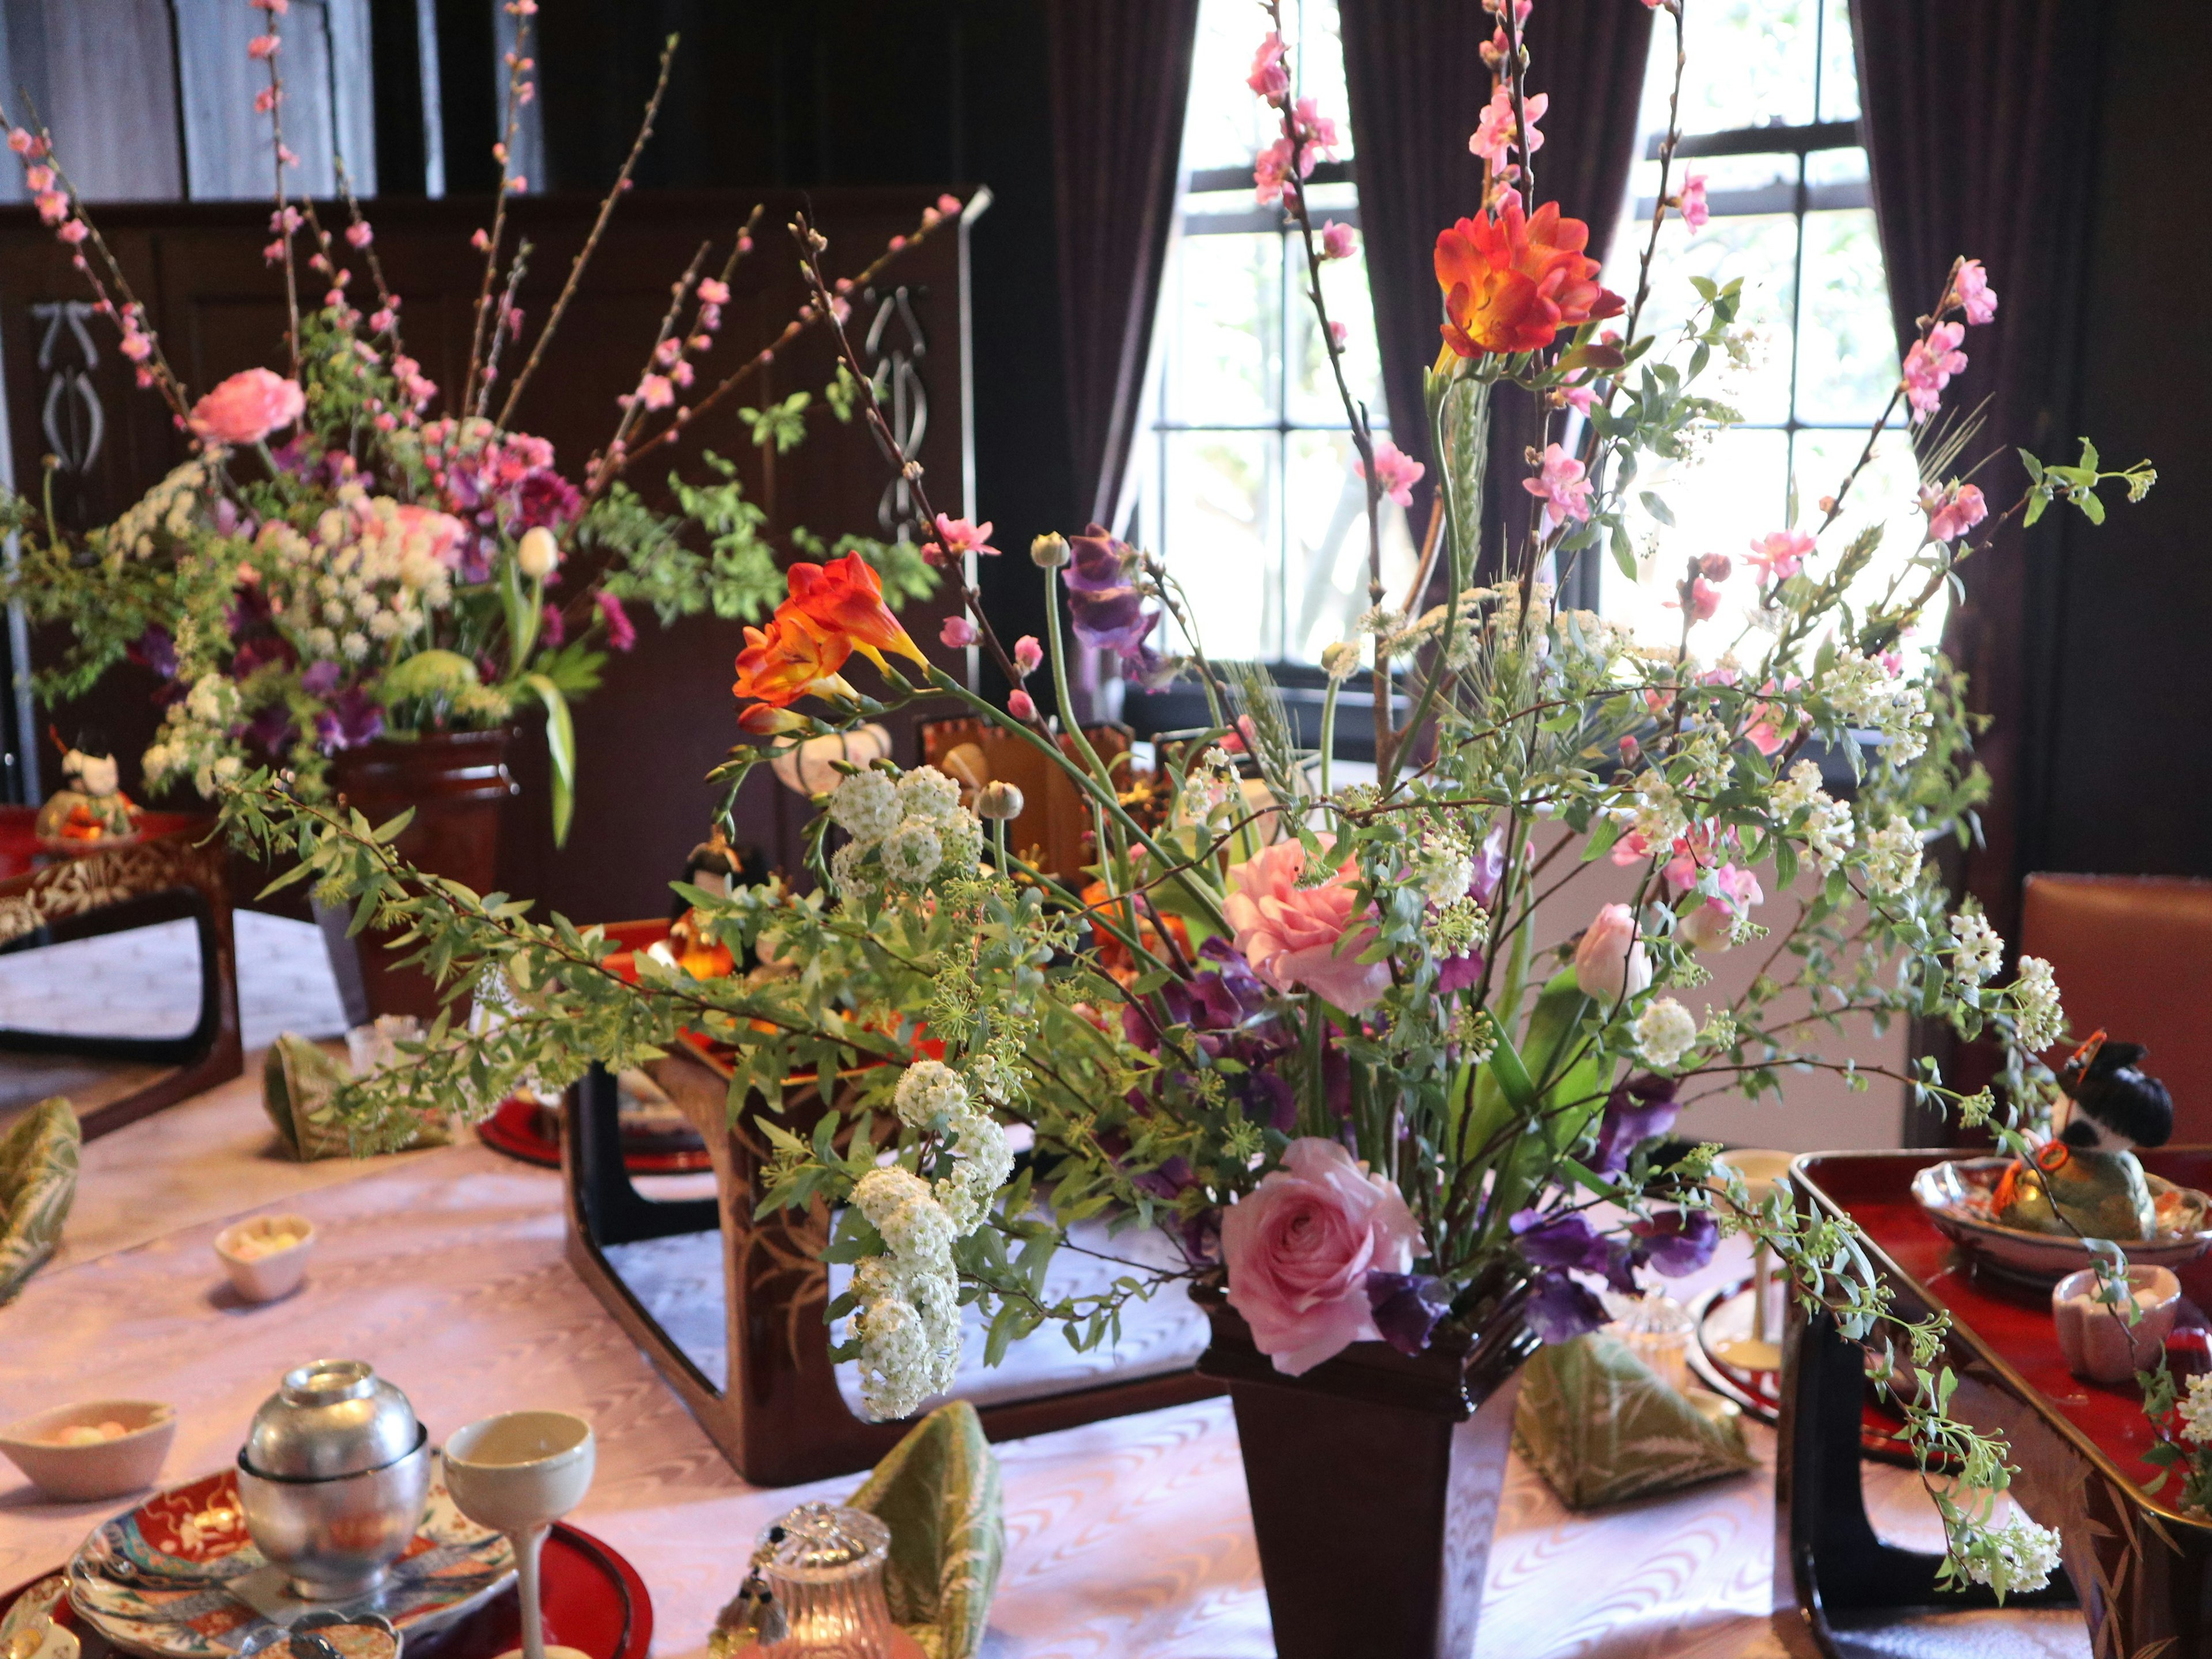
{"points": [[1657, 508], [2034, 467], [2093, 509], [1623, 555], [560, 744]]}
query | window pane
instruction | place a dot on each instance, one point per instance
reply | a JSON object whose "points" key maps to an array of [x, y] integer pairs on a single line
{"points": [[1721, 498], [1887, 491], [1219, 536], [1223, 329], [1847, 166], [1751, 62], [1847, 354], [1839, 75], [1313, 399], [1320, 60], [1226, 124], [1762, 250], [1325, 584]]}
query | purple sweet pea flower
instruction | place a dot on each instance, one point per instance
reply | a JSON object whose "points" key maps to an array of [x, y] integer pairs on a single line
{"points": [[1406, 1307], [1560, 1309], [259, 652], [1677, 1241], [157, 649], [1104, 605], [1561, 1241], [1489, 867], [271, 730], [1634, 1112], [1457, 974], [352, 720], [320, 679]]}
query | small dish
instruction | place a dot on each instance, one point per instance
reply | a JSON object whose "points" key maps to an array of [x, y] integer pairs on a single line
{"points": [[105, 1468], [261, 1267], [1957, 1195], [2097, 1342]]}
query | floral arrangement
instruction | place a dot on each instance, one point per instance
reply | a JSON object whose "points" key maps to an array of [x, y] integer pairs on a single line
{"points": [[1327, 1033], [338, 563]]}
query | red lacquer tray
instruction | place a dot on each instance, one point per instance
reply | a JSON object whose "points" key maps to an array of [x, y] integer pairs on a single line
{"points": [[518, 1128], [2010, 1324], [594, 1600]]}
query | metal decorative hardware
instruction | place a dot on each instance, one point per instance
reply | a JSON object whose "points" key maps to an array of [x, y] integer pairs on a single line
{"points": [[70, 412], [904, 398]]}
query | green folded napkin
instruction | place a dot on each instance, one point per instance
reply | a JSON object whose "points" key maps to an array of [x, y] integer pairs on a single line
{"points": [[38, 1184], [937, 1491], [297, 1080], [1601, 1427]]}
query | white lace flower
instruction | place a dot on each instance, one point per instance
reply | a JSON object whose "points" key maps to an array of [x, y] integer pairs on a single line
{"points": [[866, 806], [930, 1089], [1665, 1031], [1977, 951], [1892, 858], [928, 794], [912, 852], [2037, 1019]]}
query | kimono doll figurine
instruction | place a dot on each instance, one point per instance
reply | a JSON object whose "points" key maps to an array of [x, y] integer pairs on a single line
{"points": [[2086, 1180]]}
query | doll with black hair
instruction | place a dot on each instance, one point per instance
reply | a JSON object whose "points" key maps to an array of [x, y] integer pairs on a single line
{"points": [[2086, 1180]]}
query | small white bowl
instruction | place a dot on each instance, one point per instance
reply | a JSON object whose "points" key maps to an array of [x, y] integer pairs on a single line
{"points": [[265, 1278], [2098, 1343], [100, 1468]]}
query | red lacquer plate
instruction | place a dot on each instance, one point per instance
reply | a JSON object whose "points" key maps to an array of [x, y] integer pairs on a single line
{"points": [[519, 1128]]}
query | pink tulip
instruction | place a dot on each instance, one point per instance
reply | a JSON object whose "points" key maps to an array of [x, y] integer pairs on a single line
{"points": [[1609, 963], [1299, 1247]]}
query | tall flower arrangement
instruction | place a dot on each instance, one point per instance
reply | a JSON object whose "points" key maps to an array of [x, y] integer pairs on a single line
{"points": [[1327, 1033], [351, 553]]}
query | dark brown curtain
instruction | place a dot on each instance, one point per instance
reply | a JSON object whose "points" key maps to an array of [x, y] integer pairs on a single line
{"points": [[1974, 128], [1120, 75], [1418, 84]]}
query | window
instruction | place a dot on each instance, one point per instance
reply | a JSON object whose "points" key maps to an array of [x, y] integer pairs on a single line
{"points": [[1242, 472], [1769, 113]]}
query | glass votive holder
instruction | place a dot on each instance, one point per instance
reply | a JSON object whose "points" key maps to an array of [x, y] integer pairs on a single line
{"points": [[826, 1571], [1656, 1330]]}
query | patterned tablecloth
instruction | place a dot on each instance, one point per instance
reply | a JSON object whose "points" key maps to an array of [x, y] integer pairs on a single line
{"points": [[444, 1269]]}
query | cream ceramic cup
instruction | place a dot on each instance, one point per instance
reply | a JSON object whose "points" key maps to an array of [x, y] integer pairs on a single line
{"points": [[518, 1472]]}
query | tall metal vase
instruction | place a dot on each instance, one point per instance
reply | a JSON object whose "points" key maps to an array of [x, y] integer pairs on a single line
{"points": [[458, 783], [1374, 1480]]}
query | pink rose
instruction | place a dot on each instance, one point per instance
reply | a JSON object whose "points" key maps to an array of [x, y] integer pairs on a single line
{"points": [[1291, 935], [1609, 963], [1299, 1248], [247, 407], [443, 532]]}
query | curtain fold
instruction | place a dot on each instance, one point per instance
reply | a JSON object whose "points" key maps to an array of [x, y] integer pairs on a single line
{"points": [[1418, 84], [1974, 133], [1120, 77]]}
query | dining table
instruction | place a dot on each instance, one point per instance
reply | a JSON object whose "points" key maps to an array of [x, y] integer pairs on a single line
{"points": [[444, 1267]]}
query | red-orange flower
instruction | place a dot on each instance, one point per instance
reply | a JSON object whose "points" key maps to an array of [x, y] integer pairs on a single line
{"points": [[793, 656], [845, 597], [1512, 283]]}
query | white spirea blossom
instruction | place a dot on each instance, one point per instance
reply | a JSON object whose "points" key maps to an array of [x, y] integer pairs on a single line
{"points": [[912, 852], [2021, 1556], [1977, 951], [1865, 692], [866, 806], [928, 794], [1892, 858], [2196, 1409], [848, 870], [2038, 1019], [1665, 1031], [1801, 788], [928, 1089]]}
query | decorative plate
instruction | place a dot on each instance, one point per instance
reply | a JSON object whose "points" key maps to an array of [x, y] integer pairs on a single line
{"points": [[1956, 1195], [178, 1578]]}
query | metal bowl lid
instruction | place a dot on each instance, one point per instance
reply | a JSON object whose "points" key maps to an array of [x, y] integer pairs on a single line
{"points": [[333, 1417]]}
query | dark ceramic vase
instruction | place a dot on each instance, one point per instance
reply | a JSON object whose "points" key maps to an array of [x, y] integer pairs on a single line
{"points": [[459, 786], [1374, 1479]]}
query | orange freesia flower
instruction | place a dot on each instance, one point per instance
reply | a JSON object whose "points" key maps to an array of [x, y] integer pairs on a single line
{"points": [[846, 597], [1512, 283], [793, 656]]}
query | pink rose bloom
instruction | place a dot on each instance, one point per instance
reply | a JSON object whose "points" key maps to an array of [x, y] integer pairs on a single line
{"points": [[442, 532], [1292, 934], [1299, 1248], [1609, 963], [247, 407]]}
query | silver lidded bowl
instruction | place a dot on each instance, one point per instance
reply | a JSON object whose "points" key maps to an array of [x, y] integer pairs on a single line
{"points": [[333, 1479]]}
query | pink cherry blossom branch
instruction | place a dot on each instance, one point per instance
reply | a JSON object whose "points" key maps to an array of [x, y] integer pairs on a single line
{"points": [[284, 221], [519, 92], [633, 402], [620, 188]]}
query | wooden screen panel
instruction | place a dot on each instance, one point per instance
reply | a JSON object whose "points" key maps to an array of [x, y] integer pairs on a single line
{"points": [[664, 715]]}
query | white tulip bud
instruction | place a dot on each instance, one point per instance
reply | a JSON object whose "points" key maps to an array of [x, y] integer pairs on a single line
{"points": [[1000, 800], [538, 553], [1049, 551]]}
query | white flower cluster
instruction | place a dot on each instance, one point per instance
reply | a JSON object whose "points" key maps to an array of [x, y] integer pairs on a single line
{"points": [[2196, 1409], [1665, 1031], [1210, 785], [1977, 951], [2020, 1556], [167, 508], [1654, 812], [909, 829], [194, 741], [366, 576], [2038, 1019], [1444, 869], [1868, 694], [907, 1321], [1892, 858]]}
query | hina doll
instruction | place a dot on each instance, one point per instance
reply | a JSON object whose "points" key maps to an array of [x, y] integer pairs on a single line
{"points": [[91, 808], [2086, 1180]]}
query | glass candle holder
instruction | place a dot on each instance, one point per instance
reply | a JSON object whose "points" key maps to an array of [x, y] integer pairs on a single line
{"points": [[826, 1571], [1656, 1330]]}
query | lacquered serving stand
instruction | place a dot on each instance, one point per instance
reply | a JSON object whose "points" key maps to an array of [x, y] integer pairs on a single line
{"points": [[2139, 1570]]}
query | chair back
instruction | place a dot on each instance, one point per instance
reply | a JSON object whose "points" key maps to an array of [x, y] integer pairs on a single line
{"points": [[2133, 955]]}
